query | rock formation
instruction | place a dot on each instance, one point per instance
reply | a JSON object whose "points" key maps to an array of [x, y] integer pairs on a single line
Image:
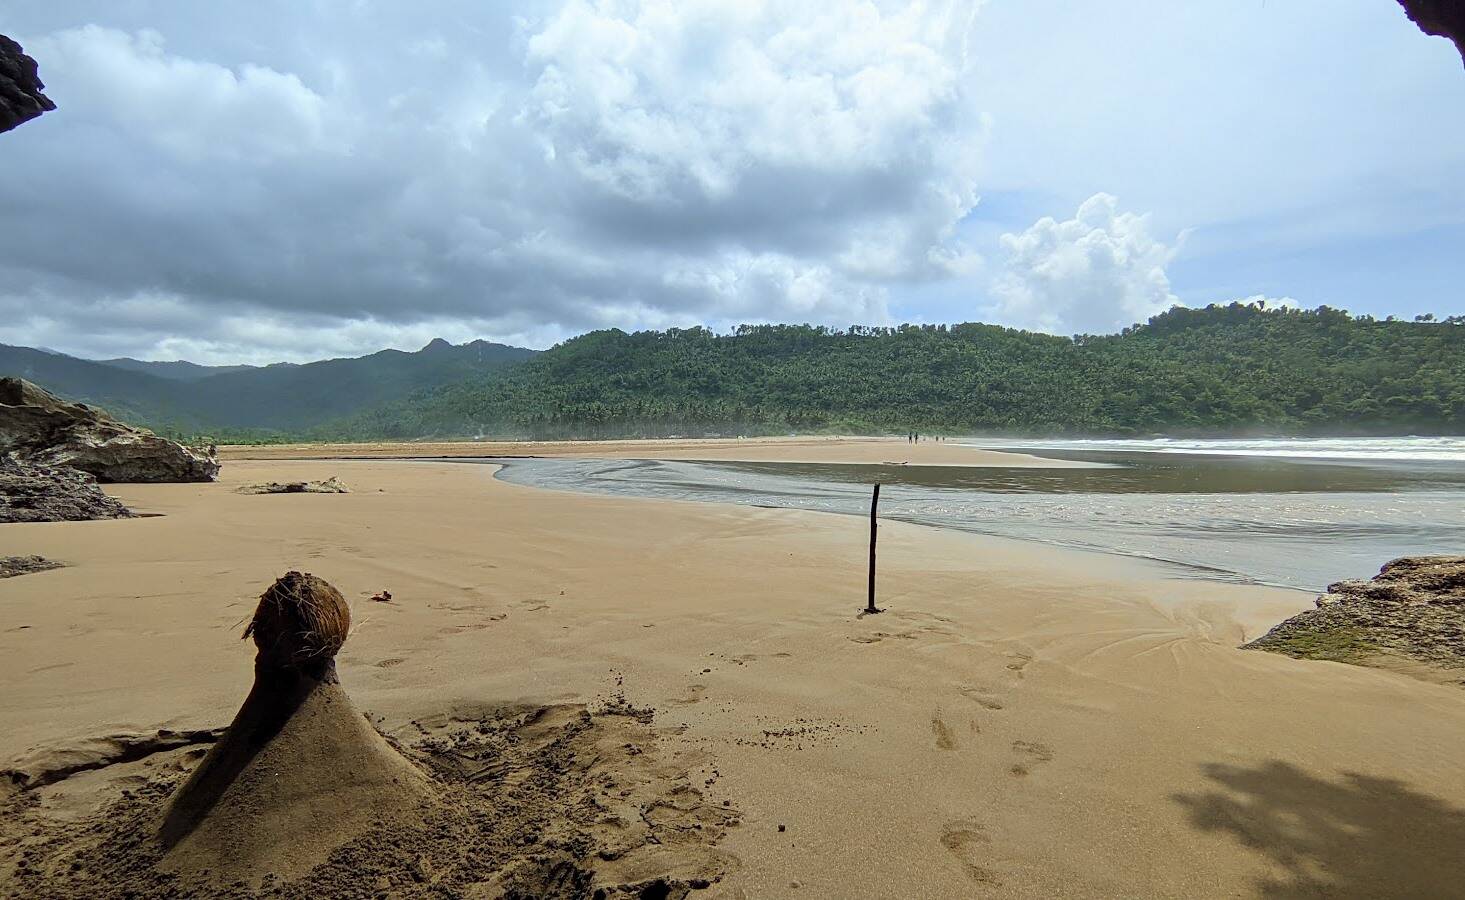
{"points": [[299, 771], [329, 486], [20, 89], [41, 428], [1443, 18], [12, 566], [1414, 608], [31, 493]]}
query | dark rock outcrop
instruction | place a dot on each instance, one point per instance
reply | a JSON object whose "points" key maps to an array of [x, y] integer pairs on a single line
{"points": [[20, 89], [32, 493], [1443, 18], [41, 428], [1414, 608], [11, 566]]}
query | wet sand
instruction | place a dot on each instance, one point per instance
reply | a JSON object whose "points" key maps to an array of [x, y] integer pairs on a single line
{"points": [[1023, 721]]}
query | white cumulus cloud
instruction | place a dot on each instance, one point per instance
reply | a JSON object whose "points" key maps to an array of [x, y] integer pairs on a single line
{"points": [[189, 107], [296, 187], [791, 128], [1094, 273]]}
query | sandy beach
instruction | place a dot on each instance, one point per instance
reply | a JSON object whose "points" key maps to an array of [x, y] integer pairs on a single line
{"points": [[790, 449], [1023, 721]]}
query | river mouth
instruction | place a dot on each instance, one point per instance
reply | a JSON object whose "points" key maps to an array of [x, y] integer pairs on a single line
{"points": [[1290, 521]]}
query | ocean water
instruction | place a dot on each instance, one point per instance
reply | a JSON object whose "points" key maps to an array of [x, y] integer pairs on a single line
{"points": [[1431, 449], [1291, 513]]}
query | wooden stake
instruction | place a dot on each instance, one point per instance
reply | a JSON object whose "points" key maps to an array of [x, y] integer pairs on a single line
{"points": [[870, 608]]}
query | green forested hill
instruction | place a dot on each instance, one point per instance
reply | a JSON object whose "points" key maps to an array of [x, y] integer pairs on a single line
{"points": [[1223, 369]]}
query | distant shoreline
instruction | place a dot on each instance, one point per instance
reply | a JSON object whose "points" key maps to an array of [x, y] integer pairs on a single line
{"points": [[834, 450]]}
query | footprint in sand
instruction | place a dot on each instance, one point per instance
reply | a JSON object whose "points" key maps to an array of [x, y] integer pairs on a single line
{"points": [[879, 636], [1019, 662], [459, 629], [945, 736], [928, 623], [980, 697], [389, 663], [966, 840], [1033, 753]]}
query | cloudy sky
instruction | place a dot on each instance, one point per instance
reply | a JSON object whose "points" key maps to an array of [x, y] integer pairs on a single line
{"points": [[295, 179]]}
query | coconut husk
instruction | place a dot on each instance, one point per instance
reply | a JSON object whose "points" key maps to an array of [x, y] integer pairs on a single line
{"points": [[300, 621]]}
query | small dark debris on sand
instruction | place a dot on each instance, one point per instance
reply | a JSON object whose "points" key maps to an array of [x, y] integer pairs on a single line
{"points": [[382, 597], [1413, 609], [329, 486], [11, 566]]}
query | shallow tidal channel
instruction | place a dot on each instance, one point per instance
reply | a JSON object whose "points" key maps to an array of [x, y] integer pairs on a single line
{"points": [[1293, 521]]}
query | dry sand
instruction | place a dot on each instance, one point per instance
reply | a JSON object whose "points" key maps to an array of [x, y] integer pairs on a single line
{"points": [[1023, 721], [788, 449]]}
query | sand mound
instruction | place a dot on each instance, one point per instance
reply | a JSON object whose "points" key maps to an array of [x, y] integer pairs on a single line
{"points": [[303, 797], [533, 801], [299, 771]]}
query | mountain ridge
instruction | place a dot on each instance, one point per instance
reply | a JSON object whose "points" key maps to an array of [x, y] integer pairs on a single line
{"points": [[177, 369], [179, 396]]}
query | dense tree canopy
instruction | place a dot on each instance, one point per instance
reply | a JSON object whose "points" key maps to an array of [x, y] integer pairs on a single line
{"points": [[1223, 370]]}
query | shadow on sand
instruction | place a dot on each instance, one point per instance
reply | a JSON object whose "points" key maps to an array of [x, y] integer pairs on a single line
{"points": [[1359, 836]]}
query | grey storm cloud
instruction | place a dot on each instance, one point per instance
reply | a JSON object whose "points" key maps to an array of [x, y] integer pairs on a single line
{"points": [[300, 179]]}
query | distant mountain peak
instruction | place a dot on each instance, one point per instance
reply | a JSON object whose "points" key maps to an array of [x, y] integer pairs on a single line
{"points": [[437, 344]]}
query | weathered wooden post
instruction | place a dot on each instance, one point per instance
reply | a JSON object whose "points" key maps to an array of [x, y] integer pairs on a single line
{"points": [[870, 608]]}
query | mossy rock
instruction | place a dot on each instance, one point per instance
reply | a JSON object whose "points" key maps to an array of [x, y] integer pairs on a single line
{"points": [[1348, 644]]}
